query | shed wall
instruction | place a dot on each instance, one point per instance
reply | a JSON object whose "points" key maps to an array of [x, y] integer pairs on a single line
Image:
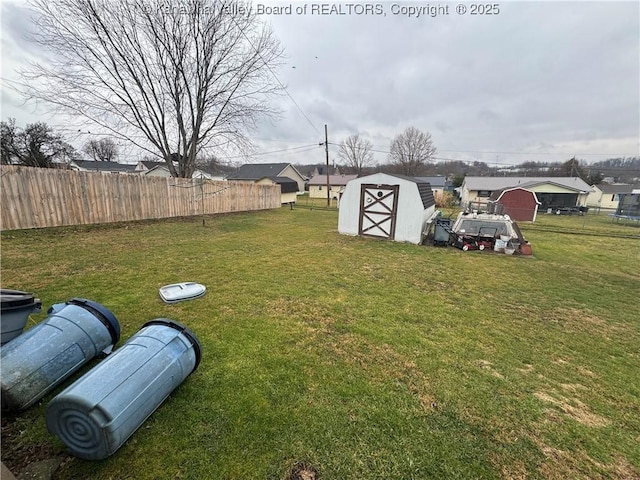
{"points": [[519, 204], [411, 215]]}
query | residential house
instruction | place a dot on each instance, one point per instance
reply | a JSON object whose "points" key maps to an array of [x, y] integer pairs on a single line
{"points": [[146, 165], [552, 192], [322, 170], [161, 170], [253, 172], [318, 185], [607, 197], [439, 184]]}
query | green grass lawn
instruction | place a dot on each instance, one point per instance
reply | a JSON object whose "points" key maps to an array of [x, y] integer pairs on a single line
{"points": [[359, 358]]}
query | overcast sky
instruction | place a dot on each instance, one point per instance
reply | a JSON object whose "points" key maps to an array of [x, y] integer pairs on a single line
{"points": [[540, 81]]}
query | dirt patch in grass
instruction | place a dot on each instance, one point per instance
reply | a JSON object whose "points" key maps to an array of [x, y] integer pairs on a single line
{"points": [[487, 365], [582, 320], [574, 408], [381, 362], [561, 464], [515, 471], [315, 315], [573, 387], [18, 456], [586, 372], [527, 368], [623, 470], [303, 471]]}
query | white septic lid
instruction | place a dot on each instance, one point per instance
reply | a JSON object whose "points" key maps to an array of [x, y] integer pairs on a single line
{"points": [[177, 292]]}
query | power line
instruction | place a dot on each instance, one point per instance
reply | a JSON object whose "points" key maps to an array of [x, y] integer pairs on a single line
{"points": [[286, 151], [314, 146], [276, 77], [281, 140], [292, 149]]}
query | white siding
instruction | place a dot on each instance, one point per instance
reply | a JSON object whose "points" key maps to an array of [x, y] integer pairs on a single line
{"points": [[293, 174], [411, 215], [320, 191]]}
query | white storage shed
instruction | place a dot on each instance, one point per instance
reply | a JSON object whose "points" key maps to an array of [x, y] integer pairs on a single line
{"points": [[381, 205]]}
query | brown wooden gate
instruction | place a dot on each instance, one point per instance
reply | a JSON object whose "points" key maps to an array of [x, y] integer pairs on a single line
{"points": [[378, 210]]}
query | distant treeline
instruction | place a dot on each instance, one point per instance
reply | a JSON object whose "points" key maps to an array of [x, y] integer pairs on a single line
{"points": [[623, 170]]}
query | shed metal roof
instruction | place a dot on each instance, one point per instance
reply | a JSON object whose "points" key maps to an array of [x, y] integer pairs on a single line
{"points": [[424, 188], [497, 194], [287, 185]]}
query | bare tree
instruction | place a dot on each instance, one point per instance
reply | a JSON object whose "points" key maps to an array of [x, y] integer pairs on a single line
{"points": [[411, 150], [102, 150], [35, 146], [215, 166], [173, 78], [356, 152]]}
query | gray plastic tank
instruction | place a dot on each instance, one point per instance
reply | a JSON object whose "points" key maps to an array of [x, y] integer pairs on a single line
{"points": [[15, 308], [41, 358], [98, 413]]}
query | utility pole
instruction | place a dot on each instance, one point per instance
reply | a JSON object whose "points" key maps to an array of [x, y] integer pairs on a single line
{"points": [[326, 151]]}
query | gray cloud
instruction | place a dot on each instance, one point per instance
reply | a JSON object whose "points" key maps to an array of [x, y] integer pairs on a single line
{"points": [[547, 72], [537, 77]]}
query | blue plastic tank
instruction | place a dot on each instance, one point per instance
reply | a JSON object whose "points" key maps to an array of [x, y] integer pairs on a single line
{"points": [[35, 362], [98, 413]]}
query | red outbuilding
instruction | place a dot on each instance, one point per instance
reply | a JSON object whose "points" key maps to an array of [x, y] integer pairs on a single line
{"points": [[517, 202]]}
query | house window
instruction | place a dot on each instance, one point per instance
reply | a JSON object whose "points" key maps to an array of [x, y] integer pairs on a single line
{"points": [[484, 193], [613, 197], [320, 187]]}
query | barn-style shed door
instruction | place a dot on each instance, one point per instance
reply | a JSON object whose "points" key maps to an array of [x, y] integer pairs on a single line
{"points": [[378, 210]]}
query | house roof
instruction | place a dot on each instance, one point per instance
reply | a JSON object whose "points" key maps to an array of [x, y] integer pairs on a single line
{"points": [[156, 168], [321, 170], [104, 166], [497, 183], [151, 164], [617, 188], [334, 180], [163, 167], [256, 171]]}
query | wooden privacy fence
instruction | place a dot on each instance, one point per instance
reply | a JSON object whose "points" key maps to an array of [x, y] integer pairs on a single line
{"points": [[42, 197]]}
